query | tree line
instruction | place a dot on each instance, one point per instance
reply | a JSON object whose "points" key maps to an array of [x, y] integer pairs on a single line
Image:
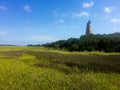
{"points": [[106, 43]]}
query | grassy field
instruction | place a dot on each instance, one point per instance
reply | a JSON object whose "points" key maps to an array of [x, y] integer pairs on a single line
{"points": [[33, 68]]}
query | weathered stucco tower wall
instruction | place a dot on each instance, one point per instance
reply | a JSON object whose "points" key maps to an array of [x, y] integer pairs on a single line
{"points": [[89, 28]]}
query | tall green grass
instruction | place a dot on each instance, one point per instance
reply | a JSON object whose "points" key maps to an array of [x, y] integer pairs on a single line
{"points": [[28, 69], [42, 49]]}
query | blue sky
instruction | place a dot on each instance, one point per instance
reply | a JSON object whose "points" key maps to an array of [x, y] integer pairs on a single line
{"points": [[25, 22]]}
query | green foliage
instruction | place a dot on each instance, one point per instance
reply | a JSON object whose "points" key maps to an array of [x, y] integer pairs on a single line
{"points": [[29, 68], [74, 47], [106, 43]]}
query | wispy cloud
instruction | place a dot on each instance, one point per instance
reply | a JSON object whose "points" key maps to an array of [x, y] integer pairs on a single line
{"points": [[57, 13], [64, 15], [3, 8], [115, 20], [28, 22], [27, 8], [27, 28], [3, 33], [54, 12], [88, 4], [35, 39], [81, 14], [109, 9], [115, 29], [61, 21], [42, 38]]}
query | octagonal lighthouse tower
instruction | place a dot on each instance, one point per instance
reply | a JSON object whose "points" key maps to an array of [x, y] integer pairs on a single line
{"points": [[89, 28]]}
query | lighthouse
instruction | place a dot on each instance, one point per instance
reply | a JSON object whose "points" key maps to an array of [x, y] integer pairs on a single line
{"points": [[89, 28]]}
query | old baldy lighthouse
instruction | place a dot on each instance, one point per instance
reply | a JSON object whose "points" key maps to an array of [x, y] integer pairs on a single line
{"points": [[89, 28]]}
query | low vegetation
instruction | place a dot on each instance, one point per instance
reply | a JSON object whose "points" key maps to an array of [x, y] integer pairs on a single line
{"points": [[35, 68]]}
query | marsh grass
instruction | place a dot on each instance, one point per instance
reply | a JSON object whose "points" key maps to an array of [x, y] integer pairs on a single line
{"points": [[23, 68]]}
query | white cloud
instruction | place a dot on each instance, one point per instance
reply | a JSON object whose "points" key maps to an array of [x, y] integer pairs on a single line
{"points": [[109, 9], [88, 5], [81, 14], [84, 14], [61, 21], [3, 7], [115, 20], [27, 8]]}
